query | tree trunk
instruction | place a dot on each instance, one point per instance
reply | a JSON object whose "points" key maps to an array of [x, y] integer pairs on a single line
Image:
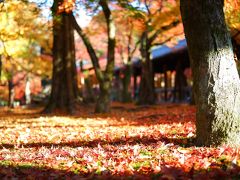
{"points": [[106, 86], [146, 91], [103, 101], [180, 83], [64, 81], [11, 93], [104, 77], [126, 95], [0, 66], [216, 81], [90, 96]]}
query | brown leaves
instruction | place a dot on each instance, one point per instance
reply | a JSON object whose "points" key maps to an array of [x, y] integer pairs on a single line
{"points": [[139, 142]]}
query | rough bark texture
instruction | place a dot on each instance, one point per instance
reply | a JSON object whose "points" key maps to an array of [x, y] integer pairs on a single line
{"points": [[146, 91], [216, 81], [64, 81]]}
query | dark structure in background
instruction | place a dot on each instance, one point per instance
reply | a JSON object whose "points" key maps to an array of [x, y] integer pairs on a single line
{"points": [[172, 81], [172, 74]]}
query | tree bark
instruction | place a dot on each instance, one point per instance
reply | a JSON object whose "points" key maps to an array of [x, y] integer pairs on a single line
{"points": [[146, 91], [104, 77], [104, 101], [104, 98], [64, 81], [216, 81]]}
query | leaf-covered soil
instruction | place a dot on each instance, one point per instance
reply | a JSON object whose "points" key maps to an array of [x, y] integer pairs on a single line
{"points": [[132, 142]]}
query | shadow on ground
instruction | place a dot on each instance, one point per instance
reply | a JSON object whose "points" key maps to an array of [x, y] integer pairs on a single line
{"points": [[166, 173]]}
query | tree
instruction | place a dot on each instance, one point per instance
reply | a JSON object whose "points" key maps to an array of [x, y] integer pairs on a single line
{"points": [[104, 77], [216, 81], [126, 46], [128, 31], [64, 91], [167, 14], [18, 49]]}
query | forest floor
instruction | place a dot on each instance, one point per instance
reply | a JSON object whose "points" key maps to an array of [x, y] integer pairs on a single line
{"points": [[131, 142]]}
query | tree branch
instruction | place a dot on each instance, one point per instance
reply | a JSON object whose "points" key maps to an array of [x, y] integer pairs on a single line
{"points": [[166, 40], [89, 47], [111, 37], [164, 28]]}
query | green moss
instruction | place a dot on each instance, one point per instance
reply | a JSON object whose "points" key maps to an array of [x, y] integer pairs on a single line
{"points": [[145, 153], [138, 165], [26, 166], [5, 163]]}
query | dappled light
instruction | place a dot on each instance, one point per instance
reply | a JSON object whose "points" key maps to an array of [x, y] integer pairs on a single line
{"points": [[131, 141], [119, 89]]}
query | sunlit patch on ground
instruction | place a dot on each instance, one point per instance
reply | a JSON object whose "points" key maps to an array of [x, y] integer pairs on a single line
{"points": [[135, 142]]}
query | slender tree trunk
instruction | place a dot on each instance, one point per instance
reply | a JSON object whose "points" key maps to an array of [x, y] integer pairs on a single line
{"points": [[104, 77], [90, 96], [146, 92], [11, 93], [126, 95], [0, 66], [216, 81], [165, 83], [106, 86], [180, 83], [64, 81]]}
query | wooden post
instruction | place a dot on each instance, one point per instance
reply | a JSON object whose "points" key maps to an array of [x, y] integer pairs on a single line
{"points": [[165, 82]]}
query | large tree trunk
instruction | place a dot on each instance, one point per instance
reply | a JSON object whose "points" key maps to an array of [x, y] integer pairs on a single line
{"points": [[216, 81], [146, 91], [64, 81]]}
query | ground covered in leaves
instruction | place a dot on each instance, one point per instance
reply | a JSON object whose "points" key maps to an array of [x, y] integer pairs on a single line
{"points": [[131, 142]]}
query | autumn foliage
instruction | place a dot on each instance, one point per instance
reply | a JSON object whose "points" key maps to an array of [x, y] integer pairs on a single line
{"points": [[136, 142]]}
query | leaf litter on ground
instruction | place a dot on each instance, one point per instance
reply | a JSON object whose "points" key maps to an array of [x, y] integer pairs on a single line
{"points": [[152, 142]]}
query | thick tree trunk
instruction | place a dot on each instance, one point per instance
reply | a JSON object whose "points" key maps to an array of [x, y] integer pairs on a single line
{"points": [[126, 95], [216, 81], [146, 91], [64, 81], [103, 101]]}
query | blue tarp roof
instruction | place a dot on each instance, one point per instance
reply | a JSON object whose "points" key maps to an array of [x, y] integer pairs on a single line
{"points": [[163, 50]]}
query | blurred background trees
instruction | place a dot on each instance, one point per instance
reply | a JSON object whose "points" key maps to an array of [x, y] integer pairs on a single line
{"points": [[65, 51]]}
